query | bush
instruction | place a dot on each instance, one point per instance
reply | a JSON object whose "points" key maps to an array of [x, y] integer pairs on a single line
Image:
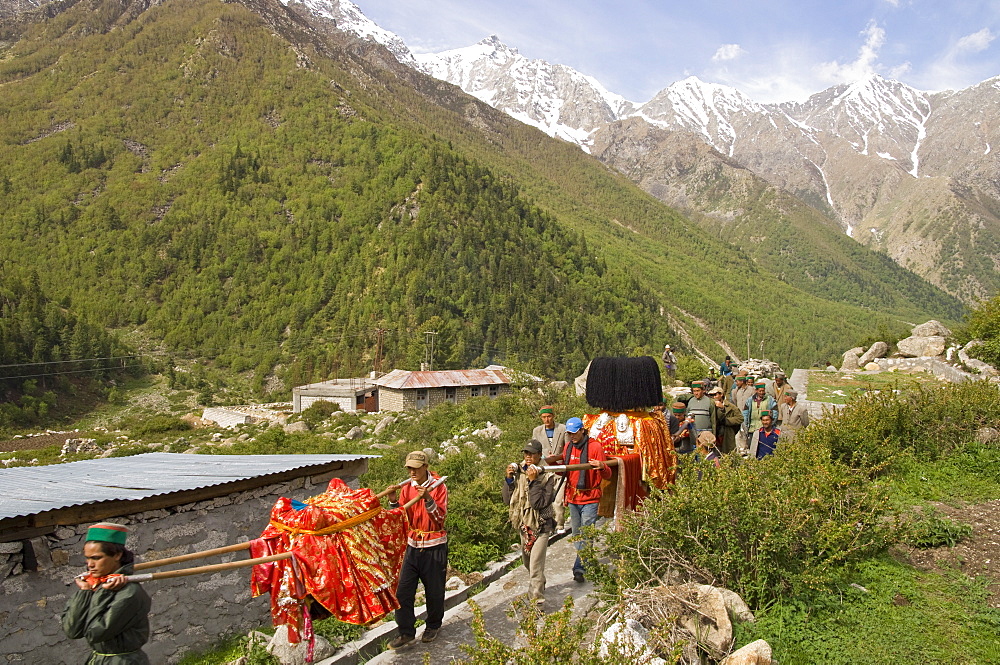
{"points": [[872, 430], [765, 528], [556, 638], [156, 425], [317, 412], [929, 528]]}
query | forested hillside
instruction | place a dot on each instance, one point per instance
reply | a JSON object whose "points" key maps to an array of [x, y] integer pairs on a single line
{"points": [[246, 189], [44, 345]]}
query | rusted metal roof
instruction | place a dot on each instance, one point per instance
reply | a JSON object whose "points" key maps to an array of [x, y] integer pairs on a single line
{"points": [[401, 379], [29, 490]]}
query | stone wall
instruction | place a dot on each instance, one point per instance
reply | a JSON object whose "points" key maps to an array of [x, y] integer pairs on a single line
{"points": [[405, 400], [189, 613]]}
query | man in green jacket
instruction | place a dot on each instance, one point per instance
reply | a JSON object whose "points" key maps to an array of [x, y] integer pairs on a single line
{"points": [[110, 613], [728, 420]]}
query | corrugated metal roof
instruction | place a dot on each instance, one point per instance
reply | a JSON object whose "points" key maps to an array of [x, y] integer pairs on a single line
{"points": [[401, 379], [29, 490]]}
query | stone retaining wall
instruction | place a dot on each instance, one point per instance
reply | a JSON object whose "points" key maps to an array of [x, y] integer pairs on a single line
{"points": [[189, 613]]}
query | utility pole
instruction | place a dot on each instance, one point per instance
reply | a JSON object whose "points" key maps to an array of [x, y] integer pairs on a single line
{"points": [[748, 337], [429, 336], [379, 341]]}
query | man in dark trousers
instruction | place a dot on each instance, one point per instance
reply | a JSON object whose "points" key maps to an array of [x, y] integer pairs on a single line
{"points": [[583, 488], [426, 558], [552, 436]]}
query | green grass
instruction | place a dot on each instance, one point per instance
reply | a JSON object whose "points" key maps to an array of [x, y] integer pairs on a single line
{"points": [[972, 475], [906, 616], [840, 387]]}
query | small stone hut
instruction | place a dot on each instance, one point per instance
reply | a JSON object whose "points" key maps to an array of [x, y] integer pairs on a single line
{"points": [[402, 390], [173, 504], [356, 394]]}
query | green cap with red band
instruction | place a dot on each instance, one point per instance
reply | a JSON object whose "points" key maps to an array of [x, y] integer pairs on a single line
{"points": [[108, 533]]}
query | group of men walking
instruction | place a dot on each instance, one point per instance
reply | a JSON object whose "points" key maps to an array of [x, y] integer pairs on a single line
{"points": [[735, 414]]}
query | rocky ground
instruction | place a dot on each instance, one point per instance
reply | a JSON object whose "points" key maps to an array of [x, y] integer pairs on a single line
{"points": [[977, 555]]}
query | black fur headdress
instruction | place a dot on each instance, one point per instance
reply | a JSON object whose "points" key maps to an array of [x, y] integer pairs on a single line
{"points": [[624, 383]]}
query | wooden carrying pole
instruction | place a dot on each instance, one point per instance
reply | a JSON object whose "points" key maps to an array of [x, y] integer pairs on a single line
{"points": [[204, 554], [559, 468], [238, 547], [201, 570]]}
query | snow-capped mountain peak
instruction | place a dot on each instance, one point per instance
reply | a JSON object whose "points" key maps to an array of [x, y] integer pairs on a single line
{"points": [[557, 99], [348, 17]]}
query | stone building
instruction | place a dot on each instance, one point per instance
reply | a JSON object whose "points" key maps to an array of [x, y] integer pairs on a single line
{"points": [[348, 394], [400, 390], [173, 504]]}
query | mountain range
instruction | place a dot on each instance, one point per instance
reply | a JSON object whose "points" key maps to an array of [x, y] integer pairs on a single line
{"points": [[249, 184], [911, 174]]}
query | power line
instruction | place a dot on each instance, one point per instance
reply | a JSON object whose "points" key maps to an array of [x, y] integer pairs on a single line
{"points": [[82, 360], [75, 371]]}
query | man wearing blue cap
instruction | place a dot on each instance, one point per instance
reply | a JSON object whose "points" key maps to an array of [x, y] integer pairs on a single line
{"points": [[583, 487]]}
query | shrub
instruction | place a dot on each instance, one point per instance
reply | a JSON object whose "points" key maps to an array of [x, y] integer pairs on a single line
{"points": [[929, 528], [556, 638], [317, 412], [786, 523], [156, 425], [872, 430]]}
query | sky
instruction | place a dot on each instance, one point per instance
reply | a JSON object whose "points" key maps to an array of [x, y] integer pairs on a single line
{"points": [[773, 51]]}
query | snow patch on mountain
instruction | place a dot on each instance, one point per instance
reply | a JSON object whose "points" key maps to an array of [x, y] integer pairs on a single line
{"points": [[348, 18], [557, 99]]}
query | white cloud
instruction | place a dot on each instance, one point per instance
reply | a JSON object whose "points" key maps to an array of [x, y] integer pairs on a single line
{"points": [[863, 65], [976, 42], [957, 66], [728, 52]]}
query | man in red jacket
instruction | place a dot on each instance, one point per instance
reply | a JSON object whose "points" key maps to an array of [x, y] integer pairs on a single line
{"points": [[426, 558], [583, 488]]}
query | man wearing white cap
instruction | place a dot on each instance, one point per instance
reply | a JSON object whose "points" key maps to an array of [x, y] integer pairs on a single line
{"points": [[791, 414]]}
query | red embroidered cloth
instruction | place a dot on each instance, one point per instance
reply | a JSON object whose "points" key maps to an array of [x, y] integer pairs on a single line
{"points": [[352, 571]]}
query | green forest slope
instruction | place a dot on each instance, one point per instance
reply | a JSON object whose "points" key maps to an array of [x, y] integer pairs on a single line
{"points": [[248, 190]]}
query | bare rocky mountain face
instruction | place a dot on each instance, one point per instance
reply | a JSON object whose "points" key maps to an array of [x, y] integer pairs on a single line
{"points": [[909, 173]]}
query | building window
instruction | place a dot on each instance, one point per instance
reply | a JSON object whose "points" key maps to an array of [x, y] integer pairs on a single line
{"points": [[494, 391], [449, 395], [475, 391], [421, 398]]}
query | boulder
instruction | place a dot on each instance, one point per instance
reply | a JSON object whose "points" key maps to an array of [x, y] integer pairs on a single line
{"points": [[735, 605], [295, 654], [921, 347], [710, 626], [298, 426], [755, 653], [874, 352], [355, 433], [558, 385], [987, 435], [872, 367], [984, 369], [385, 422], [930, 329], [491, 431], [850, 363], [628, 639]]}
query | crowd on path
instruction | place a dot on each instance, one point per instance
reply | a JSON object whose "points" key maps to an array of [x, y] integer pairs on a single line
{"points": [[727, 413]]}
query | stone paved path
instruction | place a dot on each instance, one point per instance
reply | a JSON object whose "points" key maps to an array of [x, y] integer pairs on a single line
{"points": [[495, 601]]}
